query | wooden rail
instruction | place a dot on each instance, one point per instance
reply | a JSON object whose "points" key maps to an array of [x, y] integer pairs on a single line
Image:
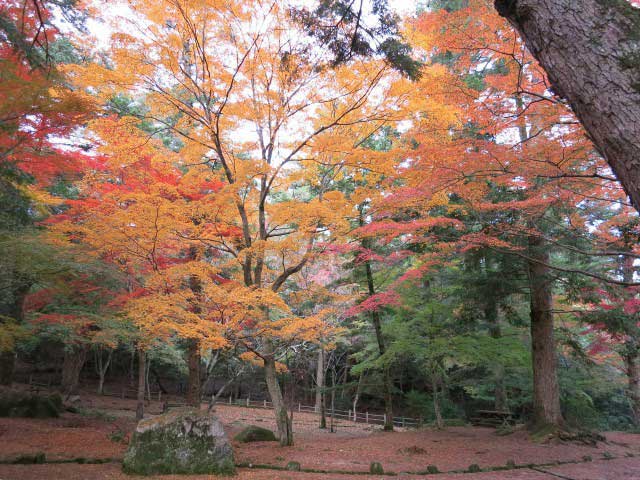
{"points": [[348, 415]]}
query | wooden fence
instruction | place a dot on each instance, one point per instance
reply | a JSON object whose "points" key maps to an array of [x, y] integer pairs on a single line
{"points": [[348, 415]]}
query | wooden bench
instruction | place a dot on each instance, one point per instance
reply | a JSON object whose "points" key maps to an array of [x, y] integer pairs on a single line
{"points": [[492, 418]]}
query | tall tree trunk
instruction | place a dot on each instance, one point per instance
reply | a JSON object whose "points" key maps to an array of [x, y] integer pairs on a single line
{"points": [[146, 378], [7, 365], [193, 361], [591, 53], [631, 353], [356, 397], [387, 387], [74, 359], [320, 384], [387, 381], [132, 361], [499, 393], [285, 431], [102, 366], [12, 309], [319, 378], [436, 403], [632, 366], [142, 370], [546, 392]]}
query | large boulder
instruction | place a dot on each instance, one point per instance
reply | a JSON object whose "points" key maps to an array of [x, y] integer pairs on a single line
{"points": [[182, 441]]}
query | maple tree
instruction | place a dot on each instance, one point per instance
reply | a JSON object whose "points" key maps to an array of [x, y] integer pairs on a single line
{"points": [[38, 111], [422, 227], [514, 163], [266, 112]]}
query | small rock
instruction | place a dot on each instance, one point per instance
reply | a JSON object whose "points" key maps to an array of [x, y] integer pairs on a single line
{"points": [[254, 433], [376, 468]]}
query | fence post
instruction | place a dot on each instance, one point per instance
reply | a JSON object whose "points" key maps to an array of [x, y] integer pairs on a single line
{"points": [[229, 399], [264, 403], [403, 424], [248, 401], [299, 407], [123, 392], [384, 418], [366, 416]]}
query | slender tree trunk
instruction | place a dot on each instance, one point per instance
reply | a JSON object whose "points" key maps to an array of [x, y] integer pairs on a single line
{"points": [[356, 397], [74, 359], [285, 431], [631, 354], [546, 392], [132, 361], [320, 385], [13, 309], [146, 378], [388, 400], [102, 367], [436, 403], [499, 393], [215, 396], [590, 51], [141, 383], [387, 381], [193, 361], [7, 365], [387, 388], [319, 378], [632, 365]]}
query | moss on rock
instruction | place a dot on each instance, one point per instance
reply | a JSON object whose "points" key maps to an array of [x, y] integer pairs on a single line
{"points": [[183, 441], [293, 466], [253, 433], [376, 468]]}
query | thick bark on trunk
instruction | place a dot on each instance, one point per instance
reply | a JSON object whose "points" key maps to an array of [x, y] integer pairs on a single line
{"points": [[499, 393], [320, 384], [74, 359], [102, 366], [193, 360], [142, 370], [631, 354], [319, 378], [436, 405], [7, 362], [285, 432], [13, 309], [387, 387], [546, 392], [591, 53], [388, 401], [632, 364]]}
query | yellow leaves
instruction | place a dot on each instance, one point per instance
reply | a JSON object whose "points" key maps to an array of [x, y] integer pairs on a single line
{"points": [[10, 334], [253, 359]]}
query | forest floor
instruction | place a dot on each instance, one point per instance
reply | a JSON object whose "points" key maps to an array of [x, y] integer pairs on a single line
{"points": [[101, 431]]}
